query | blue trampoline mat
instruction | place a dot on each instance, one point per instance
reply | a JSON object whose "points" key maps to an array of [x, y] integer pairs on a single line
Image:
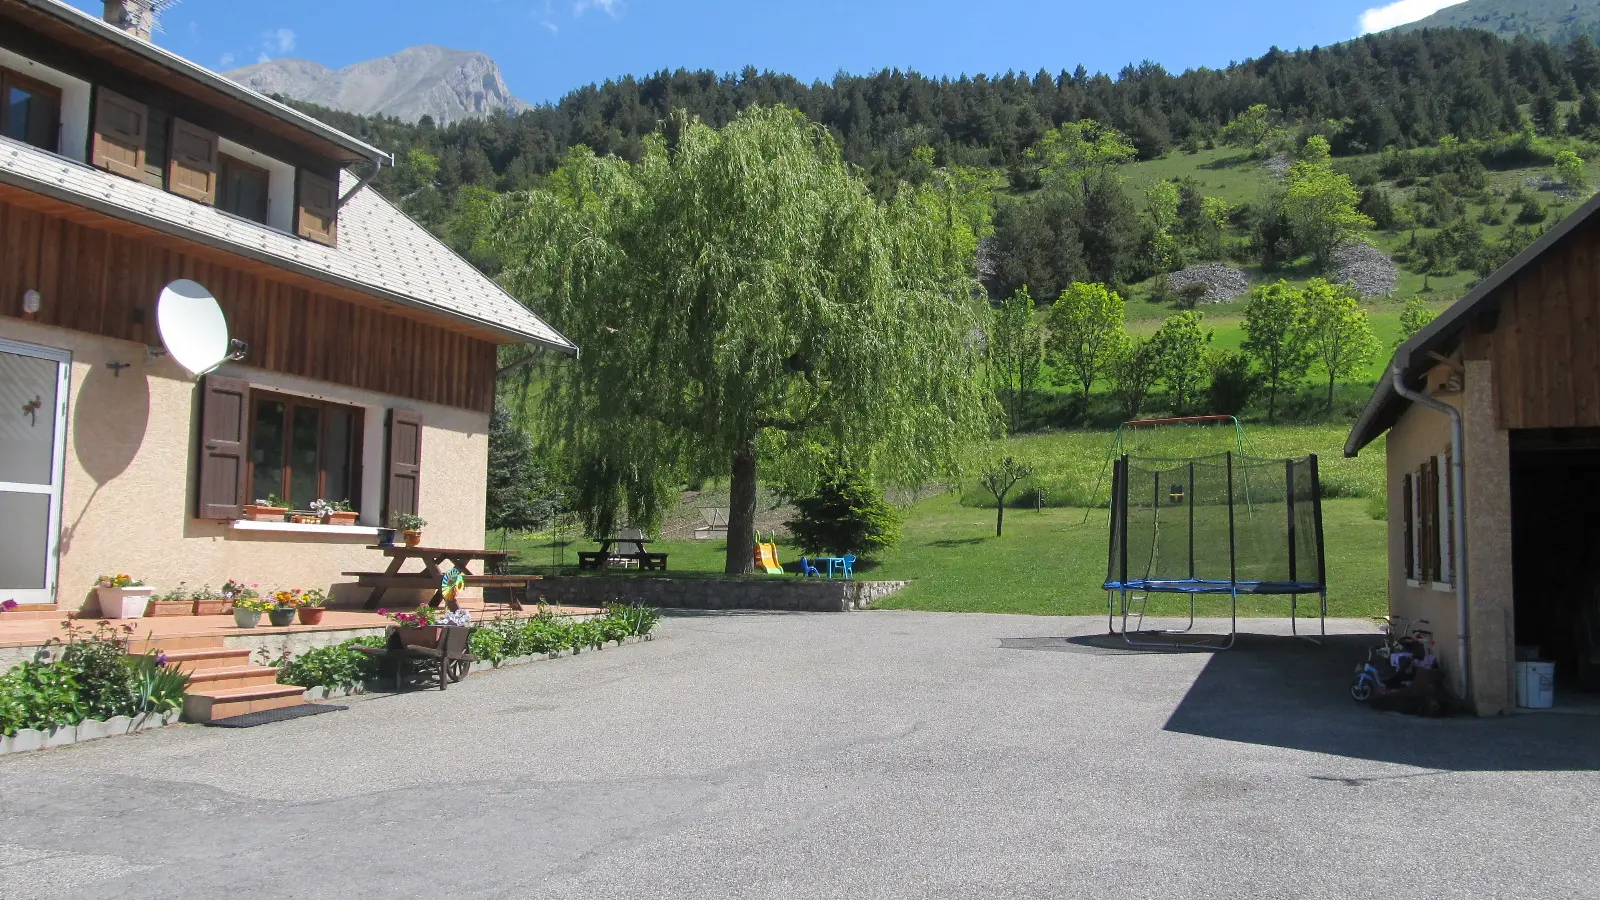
{"points": [[1202, 586]]}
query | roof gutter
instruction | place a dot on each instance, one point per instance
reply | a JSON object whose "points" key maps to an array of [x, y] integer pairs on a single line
{"points": [[1458, 495], [377, 166]]}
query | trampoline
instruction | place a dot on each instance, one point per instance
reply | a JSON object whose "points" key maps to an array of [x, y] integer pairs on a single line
{"points": [[1228, 524]]}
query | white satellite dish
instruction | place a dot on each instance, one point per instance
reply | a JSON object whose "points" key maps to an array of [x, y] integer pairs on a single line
{"points": [[192, 326]]}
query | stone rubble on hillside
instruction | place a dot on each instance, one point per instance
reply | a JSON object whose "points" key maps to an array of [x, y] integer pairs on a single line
{"points": [[1364, 267], [1223, 283], [1279, 165]]}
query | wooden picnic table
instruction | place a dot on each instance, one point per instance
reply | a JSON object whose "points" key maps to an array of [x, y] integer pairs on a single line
{"points": [[435, 562], [596, 559]]}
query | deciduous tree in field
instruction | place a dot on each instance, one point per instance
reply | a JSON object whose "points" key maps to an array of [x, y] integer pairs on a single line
{"points": [[998, 478], [1134, 367], [1181, 357], [1338, 330], [1275, 337], [1016, 352], [1414, 317], [1086, 327], [741, 297], [1321, 204]]}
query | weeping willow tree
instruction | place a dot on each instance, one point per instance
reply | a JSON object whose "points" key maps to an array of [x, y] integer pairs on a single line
{"points": [[740, 299]]}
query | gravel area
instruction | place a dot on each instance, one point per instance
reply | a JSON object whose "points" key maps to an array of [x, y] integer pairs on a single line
{"points": [[1366, 268], [1278, 165], [874, 755], [1223, 282]]}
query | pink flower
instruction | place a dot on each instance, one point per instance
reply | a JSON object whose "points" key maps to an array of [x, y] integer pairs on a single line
{"points": [[9, 605]]}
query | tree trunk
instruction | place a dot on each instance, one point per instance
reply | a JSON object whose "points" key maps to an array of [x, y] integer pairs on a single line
{"points": [[999, 516], [742, 511], [1330, 395]]}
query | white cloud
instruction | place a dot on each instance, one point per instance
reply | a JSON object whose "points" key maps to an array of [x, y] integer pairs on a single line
{"points": [[278, 40], [609, 7], [550, 25], [263, 58], [1401, 12], [227, 61]]}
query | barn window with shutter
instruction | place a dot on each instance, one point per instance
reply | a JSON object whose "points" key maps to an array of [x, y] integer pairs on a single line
{"points": [[1408, 502], [192, 169], [31, 111], [121, 129], [318, 208], [403, 481]]}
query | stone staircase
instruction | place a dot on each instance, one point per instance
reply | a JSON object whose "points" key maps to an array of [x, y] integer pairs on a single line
{"points": [[222, 681]]}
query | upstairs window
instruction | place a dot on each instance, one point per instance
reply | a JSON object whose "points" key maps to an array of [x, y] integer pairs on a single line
{"points": [[243, 189], [30, 111]]}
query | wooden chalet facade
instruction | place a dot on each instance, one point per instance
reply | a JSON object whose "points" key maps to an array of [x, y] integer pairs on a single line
{"points": [[369, 373]]}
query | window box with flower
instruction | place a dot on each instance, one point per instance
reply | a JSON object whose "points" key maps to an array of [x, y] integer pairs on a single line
{"points": [[122, 596], [271, 509], [208, 602], [335, 512]]}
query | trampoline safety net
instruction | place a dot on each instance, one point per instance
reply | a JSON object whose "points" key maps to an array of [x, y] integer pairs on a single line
{"points": [[1223, 524]]}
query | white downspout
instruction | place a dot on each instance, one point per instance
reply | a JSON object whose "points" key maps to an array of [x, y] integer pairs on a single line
{"points": [[1458, 492]]}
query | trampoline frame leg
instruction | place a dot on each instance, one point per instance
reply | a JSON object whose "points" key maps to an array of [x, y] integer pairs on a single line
{"points": [[1322, 618]]}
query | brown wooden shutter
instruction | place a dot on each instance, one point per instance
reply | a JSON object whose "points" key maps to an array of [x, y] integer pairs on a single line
{"points": [[404, 480], [319, 208], [1407, 500], [192, 171], [121, 127], [224, 435]]}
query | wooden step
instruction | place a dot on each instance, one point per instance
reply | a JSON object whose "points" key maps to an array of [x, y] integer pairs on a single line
{"points": [[33, 611], [203, 658], [232, 677], [169, 643], [207, 704]]}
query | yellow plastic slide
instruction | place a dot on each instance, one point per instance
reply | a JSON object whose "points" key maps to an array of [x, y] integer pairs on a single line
{"points": [[767, 557]]}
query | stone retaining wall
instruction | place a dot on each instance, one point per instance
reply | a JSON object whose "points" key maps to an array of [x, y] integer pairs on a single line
{"points": [[790, 594]]}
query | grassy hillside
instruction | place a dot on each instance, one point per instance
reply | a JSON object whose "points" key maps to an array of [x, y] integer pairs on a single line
{"points": [[1547, 20]]}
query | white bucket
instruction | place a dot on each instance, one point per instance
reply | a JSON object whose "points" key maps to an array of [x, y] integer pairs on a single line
{"points": [[1536, 685]]}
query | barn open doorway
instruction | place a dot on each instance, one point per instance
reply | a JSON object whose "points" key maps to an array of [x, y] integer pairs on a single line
{"points": [[1555, 527]]}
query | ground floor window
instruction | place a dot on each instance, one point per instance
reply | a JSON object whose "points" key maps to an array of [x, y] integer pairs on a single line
{"points": [[304, 450]]}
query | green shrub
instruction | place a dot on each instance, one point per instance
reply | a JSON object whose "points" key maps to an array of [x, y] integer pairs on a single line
{"points": [[92, 677], [337, 667], [847, 515]]}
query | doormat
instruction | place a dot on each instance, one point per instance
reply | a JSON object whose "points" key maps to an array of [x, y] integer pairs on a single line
{"points": [[265, 717]]}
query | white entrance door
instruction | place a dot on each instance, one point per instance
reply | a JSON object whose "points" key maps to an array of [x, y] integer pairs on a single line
{"points": [[33, 426]]}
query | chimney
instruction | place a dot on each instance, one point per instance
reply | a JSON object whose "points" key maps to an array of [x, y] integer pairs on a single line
{"points": [[136, 17]]}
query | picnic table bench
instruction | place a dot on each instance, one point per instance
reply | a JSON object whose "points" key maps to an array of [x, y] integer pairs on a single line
{"points": [[644, 559], [434, 561]]}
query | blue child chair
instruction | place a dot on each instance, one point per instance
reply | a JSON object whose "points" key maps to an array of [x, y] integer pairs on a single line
{"points": [[849, 565], [807, 569]]}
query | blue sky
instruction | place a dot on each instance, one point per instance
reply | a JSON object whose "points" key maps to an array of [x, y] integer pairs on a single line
{"points": [[548, 47]]}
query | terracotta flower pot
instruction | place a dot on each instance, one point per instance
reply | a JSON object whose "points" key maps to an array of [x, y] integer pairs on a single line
{"points": [[265, 513], [281, 618], [342, 518], [212, 607], [425, 636], [171, 608], [413, 538], [310, 615]]}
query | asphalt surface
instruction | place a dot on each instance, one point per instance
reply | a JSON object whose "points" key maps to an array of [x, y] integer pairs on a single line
{"points": [[881, 754]]}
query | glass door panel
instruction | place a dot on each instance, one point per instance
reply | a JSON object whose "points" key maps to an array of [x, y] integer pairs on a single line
{"points": [[33, 382]]}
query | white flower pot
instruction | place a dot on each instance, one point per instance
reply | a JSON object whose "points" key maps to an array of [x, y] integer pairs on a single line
{"points": [[123, 603]]}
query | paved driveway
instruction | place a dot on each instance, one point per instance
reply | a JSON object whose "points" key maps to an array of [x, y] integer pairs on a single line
{"points": [[881, 754]]}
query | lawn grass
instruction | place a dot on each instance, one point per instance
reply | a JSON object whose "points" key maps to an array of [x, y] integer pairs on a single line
{"points": [[1050, 562]]}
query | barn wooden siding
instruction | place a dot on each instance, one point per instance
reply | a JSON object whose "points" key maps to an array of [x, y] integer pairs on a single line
{"points": [[104, 278], [1544, 342]]}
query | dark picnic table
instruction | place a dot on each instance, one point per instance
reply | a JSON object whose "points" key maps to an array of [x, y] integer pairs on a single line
{"points": [[435, 562], [596, 559]]}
